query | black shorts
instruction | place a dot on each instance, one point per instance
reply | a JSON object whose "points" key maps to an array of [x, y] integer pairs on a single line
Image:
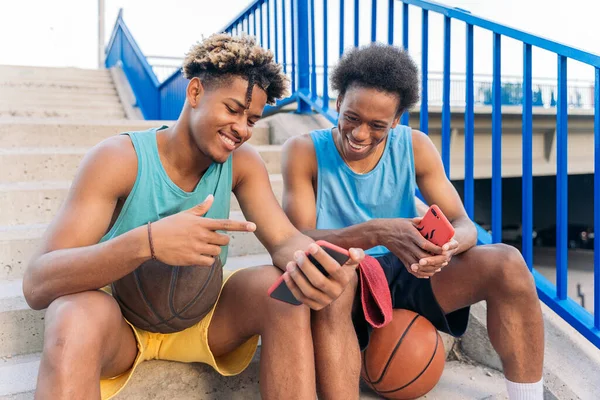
{"points": [[414, 294]]}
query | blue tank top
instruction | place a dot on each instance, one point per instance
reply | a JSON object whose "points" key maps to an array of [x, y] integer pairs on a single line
{"points": [[154, 195], [346, 198]]}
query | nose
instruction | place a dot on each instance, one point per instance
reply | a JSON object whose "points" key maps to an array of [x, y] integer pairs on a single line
{"points": [[241, 129], [360, 133]]}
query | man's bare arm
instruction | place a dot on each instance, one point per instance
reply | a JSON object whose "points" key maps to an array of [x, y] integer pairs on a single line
{"points": [[283, 241], [437, 189], [253, 190], [70, 259]]}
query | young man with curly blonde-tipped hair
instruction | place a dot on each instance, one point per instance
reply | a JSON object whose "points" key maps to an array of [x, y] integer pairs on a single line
{"points": [[90, 350]]}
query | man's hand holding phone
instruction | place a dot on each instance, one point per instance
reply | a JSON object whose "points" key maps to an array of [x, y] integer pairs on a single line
{"points": [[435, 227], [424, 245], [401, 237], [319, 276], [428, 266]]}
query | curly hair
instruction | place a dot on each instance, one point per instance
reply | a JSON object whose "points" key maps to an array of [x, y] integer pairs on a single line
{"points": [[380, 66], [221, 56]]}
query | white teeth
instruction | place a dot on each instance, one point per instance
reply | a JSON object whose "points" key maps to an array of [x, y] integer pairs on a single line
{"points": [[227, 140], [356, 146]]}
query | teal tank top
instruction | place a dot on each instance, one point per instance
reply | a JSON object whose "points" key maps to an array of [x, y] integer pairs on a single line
{"points": [[346, 198], [155, 196]]}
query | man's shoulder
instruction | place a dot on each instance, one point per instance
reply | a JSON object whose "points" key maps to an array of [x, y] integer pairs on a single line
{"points": [[115, 160], [115, 149], [302, 142]]}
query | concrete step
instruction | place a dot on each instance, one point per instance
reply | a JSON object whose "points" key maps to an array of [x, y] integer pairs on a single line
{"points": [[62, 107], [50, 73], [18, 243], [84, 133], [76, 85], [59, 103], [38, 202], [17, 111], [32, 89], [22, 329], [28, 95], [67, 76], [26, 164], [170, 380]]}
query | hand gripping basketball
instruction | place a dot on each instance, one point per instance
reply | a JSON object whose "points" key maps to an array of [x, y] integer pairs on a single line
{"points": [[188, 238]]}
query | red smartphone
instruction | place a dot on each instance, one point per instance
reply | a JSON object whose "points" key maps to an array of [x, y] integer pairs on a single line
{"points": [[279, 289], [435, 227]]}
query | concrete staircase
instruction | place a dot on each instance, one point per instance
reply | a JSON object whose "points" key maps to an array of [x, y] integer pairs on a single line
{"points": [[49, 118]]}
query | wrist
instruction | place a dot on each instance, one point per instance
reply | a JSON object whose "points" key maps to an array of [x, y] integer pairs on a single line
{"points": [[140, 243], [377, 232]]}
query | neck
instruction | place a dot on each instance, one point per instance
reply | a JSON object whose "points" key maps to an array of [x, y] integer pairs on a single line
{"points": [[178, 151]]}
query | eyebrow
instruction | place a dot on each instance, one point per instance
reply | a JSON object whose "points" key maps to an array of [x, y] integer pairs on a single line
{"points": [[239, 103]]}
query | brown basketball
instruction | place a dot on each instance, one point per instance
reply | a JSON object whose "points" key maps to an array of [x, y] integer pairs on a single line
{"points": [[158, 297], [405, 359]]}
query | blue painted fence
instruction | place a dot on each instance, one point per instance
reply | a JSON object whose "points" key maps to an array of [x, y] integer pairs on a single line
{"points": [[288, 27]]}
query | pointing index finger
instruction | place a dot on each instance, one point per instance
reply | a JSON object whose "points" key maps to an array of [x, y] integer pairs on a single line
{"points": [[230, 225]]}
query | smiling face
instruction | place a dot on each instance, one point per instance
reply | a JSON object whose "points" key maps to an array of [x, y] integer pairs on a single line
{"points": [[366, 115], [220, 119]]}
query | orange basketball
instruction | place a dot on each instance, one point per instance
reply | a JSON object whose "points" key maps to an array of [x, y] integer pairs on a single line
{"points": [[405, 359]]}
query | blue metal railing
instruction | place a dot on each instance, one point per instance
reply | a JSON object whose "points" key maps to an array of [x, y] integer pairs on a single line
{"points": [[296, 20], [555, 297], [122, 48]]}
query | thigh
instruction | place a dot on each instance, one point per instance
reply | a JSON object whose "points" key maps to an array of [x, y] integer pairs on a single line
{"points": [[243, 308], [92, 323], [469, 275]]}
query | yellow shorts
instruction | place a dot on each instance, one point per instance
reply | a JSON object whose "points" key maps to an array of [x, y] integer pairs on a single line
{"points": [[189, 345]]}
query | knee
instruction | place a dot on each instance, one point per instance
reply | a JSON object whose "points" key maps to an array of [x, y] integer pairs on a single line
{"points": [[510, 275], [341, 308], [75, 324], [278, 312]]}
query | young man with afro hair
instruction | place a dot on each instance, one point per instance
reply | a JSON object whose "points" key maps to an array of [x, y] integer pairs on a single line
{"points": [[165, 193], [354, 185]]}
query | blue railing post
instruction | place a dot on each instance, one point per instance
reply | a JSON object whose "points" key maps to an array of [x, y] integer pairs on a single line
{"points": [[424, 112], [356, 22], [293, 44], [446, 99], [497, 143], [302, 53], [390, 21], [313, 52], [597, 199], [561, 181], [342, 18], [284, 36], [527, 179], [405, 117], [325, 74], [469, 128], [373, 20]]}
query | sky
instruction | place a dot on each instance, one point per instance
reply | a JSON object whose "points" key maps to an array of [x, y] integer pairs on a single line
{"points": [[64, 32]]}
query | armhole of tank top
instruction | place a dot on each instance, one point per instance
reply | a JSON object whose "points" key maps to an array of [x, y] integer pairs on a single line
{"points": [[318, 156], [229, 172], [136, 146], [413, 173]]}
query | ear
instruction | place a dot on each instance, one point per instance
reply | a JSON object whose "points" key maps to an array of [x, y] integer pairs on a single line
{"points": [[396, 120], [194, 92], [338, 103]]}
